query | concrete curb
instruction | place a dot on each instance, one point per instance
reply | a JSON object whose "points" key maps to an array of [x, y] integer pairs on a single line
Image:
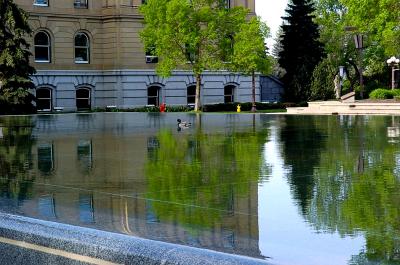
{"points": [[106, 246]]}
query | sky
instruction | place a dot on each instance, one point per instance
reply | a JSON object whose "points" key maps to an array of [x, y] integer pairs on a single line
{"points": [[271, 12]]}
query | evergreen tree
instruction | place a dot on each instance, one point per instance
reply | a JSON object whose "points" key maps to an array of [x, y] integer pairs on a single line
{"points": [[14, 59], [301, 50]]}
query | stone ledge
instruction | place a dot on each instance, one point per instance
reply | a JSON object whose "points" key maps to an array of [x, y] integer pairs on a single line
{"points": [[107, 246]]}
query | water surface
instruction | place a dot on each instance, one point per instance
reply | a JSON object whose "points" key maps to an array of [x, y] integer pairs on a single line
{"points": [[289, 189]]}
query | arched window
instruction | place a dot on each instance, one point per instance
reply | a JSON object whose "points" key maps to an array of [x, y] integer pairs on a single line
{"points": [[153, 95], [43, 99], [42, 47], [191, 94], [229, 94], [83, 99], [82, 48]]}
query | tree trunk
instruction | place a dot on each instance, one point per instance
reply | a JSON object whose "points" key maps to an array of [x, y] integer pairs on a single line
{"points": [[197, 104], [253, 90]]}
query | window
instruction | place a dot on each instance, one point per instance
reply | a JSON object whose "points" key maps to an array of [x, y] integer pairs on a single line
{"points": [[83, 99], [153, 96], [81, 3], [41, 3], [150, 55], [191, 95], [43, 99], [228, 94], [82, 48], [42, 47]]}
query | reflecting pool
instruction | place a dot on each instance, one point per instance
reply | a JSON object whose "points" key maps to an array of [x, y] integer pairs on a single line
{"points": [[288, 189]]}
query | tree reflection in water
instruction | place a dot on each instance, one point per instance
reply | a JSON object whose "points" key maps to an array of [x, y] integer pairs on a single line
{"points": [[202, 175], [348, 200], [16, 144]]}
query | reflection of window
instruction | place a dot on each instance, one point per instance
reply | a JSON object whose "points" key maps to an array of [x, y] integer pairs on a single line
{"points": [[85, 153], [81, 48], [153, 96], [228, 94], [83, 99], [42, 47], [46, 206], [41, 3], [228, 238], [152, 147], [191, 95], [151, 216], [86, 211], [43, 99], [230, 201], [81, 3], [45, 158]]}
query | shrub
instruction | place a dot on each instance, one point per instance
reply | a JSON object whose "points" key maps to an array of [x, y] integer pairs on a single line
{"points": [[246, 106], [381, 93]]}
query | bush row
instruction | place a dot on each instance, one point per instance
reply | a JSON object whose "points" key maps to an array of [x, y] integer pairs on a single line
{"points": [[382, 93], [221, 107]]}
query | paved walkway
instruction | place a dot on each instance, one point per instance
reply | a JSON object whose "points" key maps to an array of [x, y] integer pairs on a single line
{"points": [[360, 107]]}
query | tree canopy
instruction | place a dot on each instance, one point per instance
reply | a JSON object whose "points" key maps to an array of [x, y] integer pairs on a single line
{"points": [[14, 58], [249, 51], [190, 35]]}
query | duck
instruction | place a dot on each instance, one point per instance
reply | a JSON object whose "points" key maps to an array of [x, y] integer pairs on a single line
{"points": [[183, 124]]}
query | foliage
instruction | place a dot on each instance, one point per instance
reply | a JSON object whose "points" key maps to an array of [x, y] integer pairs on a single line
{"points": [[322, 86], [14, 58], [379, 19], [190, 172], [381, 93], [251, 56], [192, 35], [301, 50], [16, 158]]}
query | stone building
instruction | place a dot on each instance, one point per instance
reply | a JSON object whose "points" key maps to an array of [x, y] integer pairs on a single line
{"points": [[88, 54]]}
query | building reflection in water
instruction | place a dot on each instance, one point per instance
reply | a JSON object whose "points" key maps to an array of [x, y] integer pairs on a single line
{"points": [[142, 184]]}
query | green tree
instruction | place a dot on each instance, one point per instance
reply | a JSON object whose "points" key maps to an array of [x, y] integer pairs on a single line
{"points": [[192, 35], [14, 59], [301, 49], [379, 19], [250, 57]]}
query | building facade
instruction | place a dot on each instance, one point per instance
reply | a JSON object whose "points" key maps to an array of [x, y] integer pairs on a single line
{"points": [[88, 54]]}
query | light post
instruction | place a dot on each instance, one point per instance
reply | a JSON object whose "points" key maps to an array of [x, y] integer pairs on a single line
{"points": [[359, 42], [393, 62]]}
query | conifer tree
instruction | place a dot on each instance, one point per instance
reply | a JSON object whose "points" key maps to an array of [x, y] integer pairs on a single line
{"points": [[14, 59], [301, 50]]}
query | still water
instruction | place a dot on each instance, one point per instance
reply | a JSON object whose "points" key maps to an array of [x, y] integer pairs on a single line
{"points": [[288, 189]]}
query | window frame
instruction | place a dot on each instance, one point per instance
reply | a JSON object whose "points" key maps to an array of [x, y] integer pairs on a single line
{"points": [[191, 95], [87, 47], [39, 4], [48, 46], [78, 4], [232, 95], [50, 99], [157, 97], [89, 99]]}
